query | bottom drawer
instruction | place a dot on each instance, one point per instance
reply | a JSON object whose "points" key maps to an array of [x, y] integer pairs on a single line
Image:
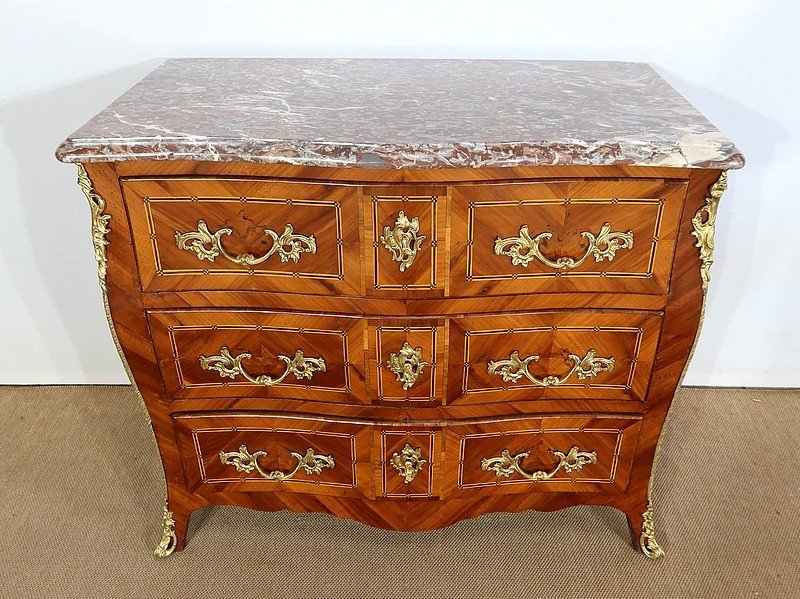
{"points": [[555, 453], [401, 461], [252, 452]]}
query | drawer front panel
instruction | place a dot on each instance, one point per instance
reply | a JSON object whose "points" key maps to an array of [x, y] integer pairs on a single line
{"points": [[564, 236], [542, 454], [260, 354], [406, 253], [410, 464], [407, 360], [552, 355], [210, 234], [267, 453]]}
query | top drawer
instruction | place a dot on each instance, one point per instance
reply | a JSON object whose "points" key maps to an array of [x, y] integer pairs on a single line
{"points": [[204, 234], [559, 236], [589, 235]]}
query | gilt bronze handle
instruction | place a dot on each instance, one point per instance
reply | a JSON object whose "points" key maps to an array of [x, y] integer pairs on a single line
{"points": [[231, 366], [244, 461], [506, 465], [514, 368], [208, 245], [524, 249]]}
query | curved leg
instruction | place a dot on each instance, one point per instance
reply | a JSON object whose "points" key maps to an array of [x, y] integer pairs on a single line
{"points": [[643, 532], [173, 536]]}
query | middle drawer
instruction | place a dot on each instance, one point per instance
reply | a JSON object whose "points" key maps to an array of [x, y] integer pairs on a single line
{"points": [[406, 362]]}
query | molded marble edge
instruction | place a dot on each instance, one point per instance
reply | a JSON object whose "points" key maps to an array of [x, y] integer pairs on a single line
{"points": [[303, 153], [393, 113]]}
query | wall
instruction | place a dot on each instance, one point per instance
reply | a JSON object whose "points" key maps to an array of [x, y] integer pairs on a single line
{"points": [[64, 61]]}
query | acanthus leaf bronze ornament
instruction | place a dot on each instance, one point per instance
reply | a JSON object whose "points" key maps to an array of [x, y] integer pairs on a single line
{"points": [[408, 462], [408, 365], [647, 540], [99, 223], [703, 224], [514, 368], [403, 240], [231, 366], [168, 541], [506, 465], [524, 249], [244, 461], [208, 245]]}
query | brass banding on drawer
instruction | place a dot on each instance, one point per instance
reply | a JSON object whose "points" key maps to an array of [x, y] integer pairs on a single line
{"points": [[581, 235], [262, 452], [258, 353], [586, 354], [548, 454], [242, 234]]}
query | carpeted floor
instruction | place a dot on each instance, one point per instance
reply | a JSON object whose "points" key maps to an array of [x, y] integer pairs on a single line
{"points": [[82, 491]]}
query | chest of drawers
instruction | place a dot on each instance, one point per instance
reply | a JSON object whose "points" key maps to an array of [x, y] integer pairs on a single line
{"points": [[393, 329]]}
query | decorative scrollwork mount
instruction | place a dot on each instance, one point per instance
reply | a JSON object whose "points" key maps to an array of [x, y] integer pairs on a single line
{"points": [[407, 365], [99, 223], [647, 540], [524, 249], [244, 461], [169, 541], [231, 366], [514, 368], [403, 240], [703, 223], [506, 465], [208, 245], [408, 462]]}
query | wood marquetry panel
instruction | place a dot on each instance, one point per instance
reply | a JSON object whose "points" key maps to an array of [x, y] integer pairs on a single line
{"points": [[407, 248], [213, 424], [605, 448], [424, 470], [274, 446], [558, 236], [407, 360], [241, 234], [183, 339], [552, 355]]}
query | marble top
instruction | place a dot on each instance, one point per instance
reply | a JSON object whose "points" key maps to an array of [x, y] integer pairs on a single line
{"points": [[403, 114]]}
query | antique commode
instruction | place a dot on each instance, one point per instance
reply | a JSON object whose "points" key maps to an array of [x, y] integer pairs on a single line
{"points": [[404, 292]]}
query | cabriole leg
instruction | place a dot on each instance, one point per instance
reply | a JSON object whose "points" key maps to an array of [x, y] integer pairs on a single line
{"points": [[643, 532], [173, 536]]}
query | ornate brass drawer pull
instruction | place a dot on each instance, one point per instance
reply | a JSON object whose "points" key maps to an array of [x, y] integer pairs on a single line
{"points": [[515, 368], [408, 365], [524, 249], [231, 366], [408, 462], [287, 245], [403, 241], [244, 461], [506, 464]]}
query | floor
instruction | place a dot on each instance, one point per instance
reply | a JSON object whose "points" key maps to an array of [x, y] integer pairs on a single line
{"points": [[82, 491]]}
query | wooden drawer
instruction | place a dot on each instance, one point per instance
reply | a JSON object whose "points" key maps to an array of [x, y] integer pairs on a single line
{"points": [[409, 462], [583, 354], [211, 234], [231, 452], [252, 353], [556, 453], [614, 236], [405, 232], [407, 360]]}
